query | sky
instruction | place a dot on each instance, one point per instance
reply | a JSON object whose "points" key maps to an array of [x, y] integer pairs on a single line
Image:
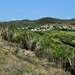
{"points": [[35, 9]]}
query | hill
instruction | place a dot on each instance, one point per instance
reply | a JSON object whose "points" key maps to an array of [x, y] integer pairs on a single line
{"points": [[39, 22], [27, 52]]}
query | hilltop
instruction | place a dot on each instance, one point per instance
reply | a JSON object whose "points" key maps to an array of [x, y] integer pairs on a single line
{"points": [[42, 21], [42, 24]]}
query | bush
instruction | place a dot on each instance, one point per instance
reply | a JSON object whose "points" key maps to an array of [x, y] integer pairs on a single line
{"points": [[2, 60], [42, 72], [7, 35], [28, 69]]}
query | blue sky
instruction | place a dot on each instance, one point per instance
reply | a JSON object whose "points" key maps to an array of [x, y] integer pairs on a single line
{"points": [[35, 9]]}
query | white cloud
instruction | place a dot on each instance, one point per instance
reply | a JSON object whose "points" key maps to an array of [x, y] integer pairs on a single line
{"points": [[68, 18], [42, 16], [13, 19]]}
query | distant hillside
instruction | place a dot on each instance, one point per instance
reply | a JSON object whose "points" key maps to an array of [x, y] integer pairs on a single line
{"points": [[33, 23], [39, 22]]}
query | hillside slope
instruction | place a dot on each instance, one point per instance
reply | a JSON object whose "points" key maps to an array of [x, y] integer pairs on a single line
{"points": [[17, 61]]}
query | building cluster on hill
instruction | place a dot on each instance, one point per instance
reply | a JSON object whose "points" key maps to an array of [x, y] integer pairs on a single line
{"points": [[54, 26]]}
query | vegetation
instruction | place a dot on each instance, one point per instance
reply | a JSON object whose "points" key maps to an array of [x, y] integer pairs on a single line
{"points": [[25, 52]]}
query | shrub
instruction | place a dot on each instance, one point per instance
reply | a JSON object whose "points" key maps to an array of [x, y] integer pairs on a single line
{"points": [[7, 35], [28, 69], [42, 72], [2, 60]]}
